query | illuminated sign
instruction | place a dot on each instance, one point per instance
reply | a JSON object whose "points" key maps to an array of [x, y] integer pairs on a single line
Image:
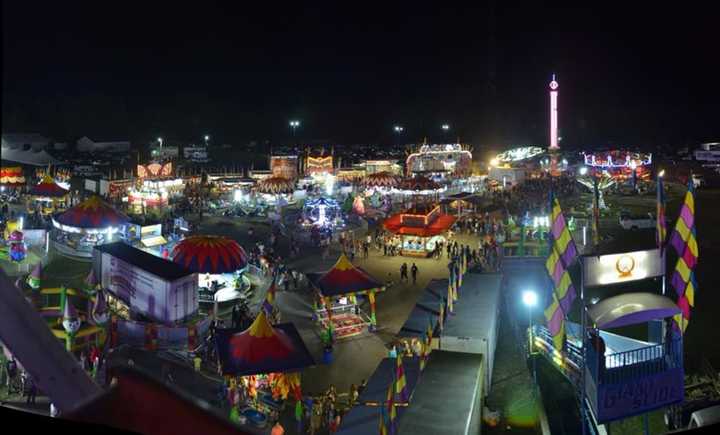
{"points": [[155, 170], [618, 159], [620, 268], [318, 165], [284, 166]]}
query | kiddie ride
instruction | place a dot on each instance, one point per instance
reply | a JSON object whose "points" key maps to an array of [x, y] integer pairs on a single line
{"points": [[14, 248]]}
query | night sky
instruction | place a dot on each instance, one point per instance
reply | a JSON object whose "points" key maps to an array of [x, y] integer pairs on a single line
{"points": [[638, 77]]}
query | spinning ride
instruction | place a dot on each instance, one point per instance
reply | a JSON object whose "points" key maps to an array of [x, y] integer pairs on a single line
{"points": [[86, 225], [48, 193], [322, 212], [220, 263]]}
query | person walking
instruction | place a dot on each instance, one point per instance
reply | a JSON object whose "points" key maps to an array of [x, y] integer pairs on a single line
{"points": [[11, 369], [414, 271], [31, 390], [404, 272], [295, 276]]}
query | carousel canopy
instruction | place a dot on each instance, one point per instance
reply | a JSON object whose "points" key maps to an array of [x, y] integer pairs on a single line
{"points": [[12, 175], [343, 279], [210, 254], [380, 179], [418, 184], [48, 188], [92, 213], [262, 348], [316, 202], [276, 185]]}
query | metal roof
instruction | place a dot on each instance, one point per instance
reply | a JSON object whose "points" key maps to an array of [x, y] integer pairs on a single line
{"points": [[630, 309]]}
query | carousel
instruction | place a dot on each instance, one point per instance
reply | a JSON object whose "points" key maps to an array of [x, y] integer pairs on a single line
{"points": [[419, 229], [79, 229], [48, 194], [276, 190], [261, 366], [322, 212], [337, 290], [220, 263]]}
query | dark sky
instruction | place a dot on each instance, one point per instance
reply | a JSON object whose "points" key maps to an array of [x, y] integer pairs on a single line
{"points": [[642, 76]]}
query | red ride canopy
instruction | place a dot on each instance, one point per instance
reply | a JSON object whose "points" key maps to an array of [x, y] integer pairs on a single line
{"points": [[48, 188], [438, 226], [210, 254]]}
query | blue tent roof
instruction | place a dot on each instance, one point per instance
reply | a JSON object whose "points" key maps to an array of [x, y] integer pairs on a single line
{"points": [[431, 301], [363, 420], [417, 324]]}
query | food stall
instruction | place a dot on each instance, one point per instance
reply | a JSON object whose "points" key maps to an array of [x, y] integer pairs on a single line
{"points": [[337, 292], [419, 229]]}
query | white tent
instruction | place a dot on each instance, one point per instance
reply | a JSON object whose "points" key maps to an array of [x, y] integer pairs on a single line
{"points": [[29, 157]]}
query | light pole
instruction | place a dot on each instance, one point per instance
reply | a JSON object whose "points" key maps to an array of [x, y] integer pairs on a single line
{"points": [[529, 298], [398, 130], [160, 140], [446, 129], [207, 138], [294, 125]]}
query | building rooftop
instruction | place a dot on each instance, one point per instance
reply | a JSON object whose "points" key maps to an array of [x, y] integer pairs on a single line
{"points": [[160, 267]]}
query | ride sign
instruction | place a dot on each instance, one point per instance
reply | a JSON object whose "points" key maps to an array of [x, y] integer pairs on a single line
{"points": [[637, 396]]}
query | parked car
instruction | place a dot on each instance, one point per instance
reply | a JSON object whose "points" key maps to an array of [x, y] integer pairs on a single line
{"points": [[636, 222]]}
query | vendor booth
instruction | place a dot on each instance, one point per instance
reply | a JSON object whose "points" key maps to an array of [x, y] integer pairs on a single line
{"points": [[261, 366], [337, 293], [11, 177], [419, 229], [91, 223], [148, 237]]}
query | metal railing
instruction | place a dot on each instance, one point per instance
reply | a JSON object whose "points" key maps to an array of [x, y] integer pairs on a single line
{"points": [[633, 364]]}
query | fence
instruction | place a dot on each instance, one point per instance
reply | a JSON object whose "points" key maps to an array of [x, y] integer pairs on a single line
{"points": [[634, 364]]}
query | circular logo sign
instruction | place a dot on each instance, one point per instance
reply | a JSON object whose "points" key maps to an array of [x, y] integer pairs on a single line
{"points": [[625, 265], [553, 85]]}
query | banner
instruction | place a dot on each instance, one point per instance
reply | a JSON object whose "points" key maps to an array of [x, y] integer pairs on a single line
{"points": [[619, 268]]}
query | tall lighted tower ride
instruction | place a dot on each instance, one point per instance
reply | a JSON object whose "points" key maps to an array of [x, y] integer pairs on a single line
{"points": [[553, 114]]}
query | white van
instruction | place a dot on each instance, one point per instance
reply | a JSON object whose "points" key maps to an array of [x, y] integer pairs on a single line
{"points": [[705, 417]]}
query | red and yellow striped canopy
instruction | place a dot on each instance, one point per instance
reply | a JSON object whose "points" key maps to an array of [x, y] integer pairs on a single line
{"points": [[92, 213], [48, 188], [344, 279], [210, 254]]}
